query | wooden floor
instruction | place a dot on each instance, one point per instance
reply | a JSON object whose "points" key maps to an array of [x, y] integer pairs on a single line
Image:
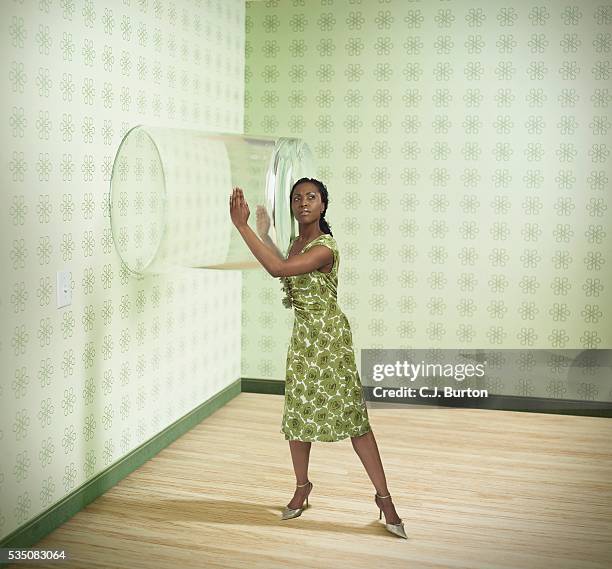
{"points": [[476, 489]]}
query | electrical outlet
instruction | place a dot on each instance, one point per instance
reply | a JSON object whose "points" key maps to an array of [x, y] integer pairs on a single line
{"points": [[64, 291]]}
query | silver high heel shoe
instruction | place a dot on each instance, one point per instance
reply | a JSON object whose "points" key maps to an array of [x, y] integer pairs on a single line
{"points": [[397, 529], [289, 513]]}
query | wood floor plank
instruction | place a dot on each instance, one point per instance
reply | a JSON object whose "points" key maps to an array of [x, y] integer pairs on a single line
{"points": [[476, 489]]}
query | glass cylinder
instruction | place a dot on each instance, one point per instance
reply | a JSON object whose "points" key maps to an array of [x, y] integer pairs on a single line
{"points": [[169, 199]]}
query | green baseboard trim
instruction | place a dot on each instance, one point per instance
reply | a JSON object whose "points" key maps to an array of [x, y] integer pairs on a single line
{"points": [[269, 386], [495, 402], [521, 403], [43, 524]]}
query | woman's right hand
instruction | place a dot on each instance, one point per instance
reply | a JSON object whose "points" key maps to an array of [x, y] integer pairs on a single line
{"points": [[262, 221]]}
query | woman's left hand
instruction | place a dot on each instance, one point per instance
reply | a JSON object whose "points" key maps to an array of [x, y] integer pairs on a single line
{"points": [[239, 208]]}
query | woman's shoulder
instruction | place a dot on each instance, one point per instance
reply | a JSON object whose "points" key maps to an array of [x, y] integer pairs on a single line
{"points": [[328, 241]]}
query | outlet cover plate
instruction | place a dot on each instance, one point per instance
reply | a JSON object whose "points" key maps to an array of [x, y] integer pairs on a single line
{"points": [[64, 290]]}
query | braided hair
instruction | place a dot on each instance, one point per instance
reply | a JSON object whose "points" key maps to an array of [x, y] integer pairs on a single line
{"points": [[323, 225]]}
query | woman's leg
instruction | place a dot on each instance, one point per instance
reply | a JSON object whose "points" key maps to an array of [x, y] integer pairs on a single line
{"points": [[366, 448], [300, 454]]}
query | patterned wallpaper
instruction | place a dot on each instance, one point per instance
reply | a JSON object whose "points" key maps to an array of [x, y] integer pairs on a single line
{"points": [[466, 149], [85, 384]]}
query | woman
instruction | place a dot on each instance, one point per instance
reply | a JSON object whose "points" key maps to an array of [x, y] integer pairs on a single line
{"points": [[323, 393]]}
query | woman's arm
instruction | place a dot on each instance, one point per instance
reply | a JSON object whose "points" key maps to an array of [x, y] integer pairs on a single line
{"points": [[269, 243], [314, 259], [263, 223]]}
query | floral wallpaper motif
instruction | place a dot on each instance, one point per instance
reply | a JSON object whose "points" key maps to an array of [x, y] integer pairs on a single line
{"points": [[466, 149], [85, 384]]}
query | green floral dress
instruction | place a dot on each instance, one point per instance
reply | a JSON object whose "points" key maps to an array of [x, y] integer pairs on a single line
{"points": [[323, 394]]}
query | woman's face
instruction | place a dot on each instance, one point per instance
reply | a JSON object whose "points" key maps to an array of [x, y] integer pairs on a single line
{"points": [[306, 203]]}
